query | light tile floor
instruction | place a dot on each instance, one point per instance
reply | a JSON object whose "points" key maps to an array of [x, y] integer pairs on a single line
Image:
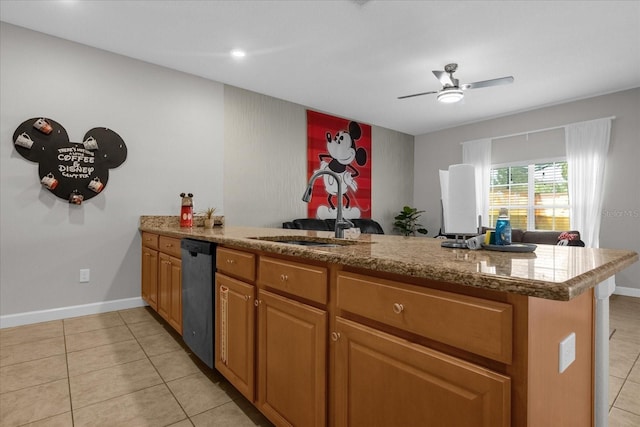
{"points": [[124, 368], [624, 363], [128, 368]]}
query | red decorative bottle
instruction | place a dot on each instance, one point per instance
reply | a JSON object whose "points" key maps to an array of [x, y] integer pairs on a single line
{"points": [[186, 211]]}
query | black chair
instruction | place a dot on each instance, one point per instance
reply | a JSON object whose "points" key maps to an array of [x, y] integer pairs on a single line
{"points": [[311, 224], [368, 226]]}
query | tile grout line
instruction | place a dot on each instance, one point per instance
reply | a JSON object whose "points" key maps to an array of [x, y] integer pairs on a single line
{"points": [[624, 381], [155, 368], [66, 359]]}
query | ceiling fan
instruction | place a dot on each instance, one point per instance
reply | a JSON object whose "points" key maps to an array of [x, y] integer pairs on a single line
{"points": [[451, 90]]}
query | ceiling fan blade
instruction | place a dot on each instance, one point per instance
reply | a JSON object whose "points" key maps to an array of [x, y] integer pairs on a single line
{"points": [[417, 94], [444, 77], [487, 83]]}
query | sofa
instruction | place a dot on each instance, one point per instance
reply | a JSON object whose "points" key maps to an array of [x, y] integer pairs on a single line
{"points": [[568, 238], [366, 225]]}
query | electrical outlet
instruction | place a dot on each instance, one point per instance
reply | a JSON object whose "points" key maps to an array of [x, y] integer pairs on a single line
{"points": [[566, 352], [84, 275]]}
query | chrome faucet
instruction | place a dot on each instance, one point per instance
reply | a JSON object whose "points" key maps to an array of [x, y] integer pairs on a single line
{"points": [[341, 223]]}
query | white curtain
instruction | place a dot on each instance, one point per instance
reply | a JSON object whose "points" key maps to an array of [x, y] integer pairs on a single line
{"points": [[478, 154], [587, 146]]}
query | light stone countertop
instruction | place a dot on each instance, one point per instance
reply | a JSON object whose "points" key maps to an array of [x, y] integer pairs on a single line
{"points": [[550, 272]]}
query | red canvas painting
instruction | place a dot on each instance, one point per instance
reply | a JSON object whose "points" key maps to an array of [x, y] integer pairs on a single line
{"points": [[342, 146]]}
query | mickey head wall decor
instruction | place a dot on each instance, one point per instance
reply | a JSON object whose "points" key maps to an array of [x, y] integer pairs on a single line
{"points": [[74, 171]]}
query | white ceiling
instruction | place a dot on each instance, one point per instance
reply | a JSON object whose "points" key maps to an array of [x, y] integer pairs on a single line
{"points": [[353, 58]]}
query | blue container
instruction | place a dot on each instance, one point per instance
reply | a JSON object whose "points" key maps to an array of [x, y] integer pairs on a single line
{"points": [[503, 228]]}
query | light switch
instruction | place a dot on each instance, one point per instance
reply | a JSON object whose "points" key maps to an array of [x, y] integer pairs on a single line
{"points": [[566, 352], [84, 275]]}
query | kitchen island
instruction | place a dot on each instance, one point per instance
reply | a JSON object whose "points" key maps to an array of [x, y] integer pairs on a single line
{"points": [[390, 330]]}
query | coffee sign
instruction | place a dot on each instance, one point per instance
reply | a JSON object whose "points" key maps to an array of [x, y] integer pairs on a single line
{"points": [[75, 162], [74, 171]]}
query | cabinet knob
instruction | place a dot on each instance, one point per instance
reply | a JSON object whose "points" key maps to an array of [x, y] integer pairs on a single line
{"points": [[256, 302], [284, 278], [335, 336], [230, 261], [398, 308], [247, 297]]}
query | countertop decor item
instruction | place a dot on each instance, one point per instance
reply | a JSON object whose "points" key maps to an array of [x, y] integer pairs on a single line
{"points": [[208, 217], [186, 210], [407, 222]]}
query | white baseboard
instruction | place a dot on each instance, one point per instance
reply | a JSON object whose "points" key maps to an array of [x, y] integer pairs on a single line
{"points": [[628, 292], [30, 317]]}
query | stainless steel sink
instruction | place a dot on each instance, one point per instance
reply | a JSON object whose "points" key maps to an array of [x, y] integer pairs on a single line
{"points": [[309, 241]]}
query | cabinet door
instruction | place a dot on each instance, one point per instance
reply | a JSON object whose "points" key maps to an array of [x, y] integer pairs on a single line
{"points": [[235, 333], [382, 380], [164, 285], [150, 276], [175, 298], [291, 361]]}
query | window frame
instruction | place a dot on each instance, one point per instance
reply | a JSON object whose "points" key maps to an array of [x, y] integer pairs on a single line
{"points": [[531, 206]]}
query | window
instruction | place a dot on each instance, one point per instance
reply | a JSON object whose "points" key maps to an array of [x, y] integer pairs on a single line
{"points": [[536, 195]]}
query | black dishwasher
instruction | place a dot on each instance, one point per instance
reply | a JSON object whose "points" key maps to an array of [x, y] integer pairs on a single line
{"points": [[198, 264]]}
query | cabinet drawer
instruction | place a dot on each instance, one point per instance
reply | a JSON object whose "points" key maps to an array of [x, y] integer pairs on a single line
{"points": [[306, 281], [236, 263], [476, 325], [150, 240], [169, 245], [383, 380]]}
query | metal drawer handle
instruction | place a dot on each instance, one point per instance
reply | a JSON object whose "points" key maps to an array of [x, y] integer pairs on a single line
{"points": [[398, 308], [284, 277], [335, 336]]}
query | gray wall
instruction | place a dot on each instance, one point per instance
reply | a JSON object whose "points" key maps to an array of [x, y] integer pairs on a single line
{"points": [[620, 227], [172, 124], [239, 151], [265, 165]]}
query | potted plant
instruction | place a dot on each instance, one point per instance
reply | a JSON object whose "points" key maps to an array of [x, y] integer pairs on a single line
{"points": [[407, 222], [208, 217]]}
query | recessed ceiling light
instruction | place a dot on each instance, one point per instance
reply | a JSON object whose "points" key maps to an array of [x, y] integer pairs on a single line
{"points": [[238, 53]]}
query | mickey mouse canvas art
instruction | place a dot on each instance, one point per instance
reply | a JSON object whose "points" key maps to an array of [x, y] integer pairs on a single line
{"points": [[344, 147]]}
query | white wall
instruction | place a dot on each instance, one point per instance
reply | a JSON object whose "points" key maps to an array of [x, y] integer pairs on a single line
{"points": [[172, 124], [265, 163], [620, 227]]}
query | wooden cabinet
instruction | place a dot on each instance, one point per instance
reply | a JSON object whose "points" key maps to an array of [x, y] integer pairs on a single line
{"points": [[292, 342], [391, 377], [292, 339], [236, 263], [170, 282], [235, 333], [235, 318], [277, 356], [149, 262], [170, 290], [313, 343], [383, 380], [162, 277], [472, 324], [150, 276]]}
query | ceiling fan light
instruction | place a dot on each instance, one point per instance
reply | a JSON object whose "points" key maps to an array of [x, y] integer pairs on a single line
{"points": [[450, 95]]}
